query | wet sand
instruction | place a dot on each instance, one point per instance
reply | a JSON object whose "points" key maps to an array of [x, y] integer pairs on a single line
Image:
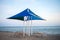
{"points": [[34, 36]]}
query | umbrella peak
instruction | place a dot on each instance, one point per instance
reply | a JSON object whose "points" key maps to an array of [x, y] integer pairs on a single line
{"points": [[27, 10]]}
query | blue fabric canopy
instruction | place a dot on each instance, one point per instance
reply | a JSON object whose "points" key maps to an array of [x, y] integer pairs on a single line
{"points": [[26, 12]]}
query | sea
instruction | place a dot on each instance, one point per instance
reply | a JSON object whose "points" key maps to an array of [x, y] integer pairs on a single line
{"points": [[43, 29]]}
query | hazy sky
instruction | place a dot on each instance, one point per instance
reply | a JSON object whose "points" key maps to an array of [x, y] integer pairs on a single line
{"points": [[47, 9]]}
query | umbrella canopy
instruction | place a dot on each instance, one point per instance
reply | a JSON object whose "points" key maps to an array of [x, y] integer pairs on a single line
{"points": [[26, 13]]}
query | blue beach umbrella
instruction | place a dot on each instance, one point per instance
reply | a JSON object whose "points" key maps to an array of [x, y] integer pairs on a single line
{"points": [[26, 15]]}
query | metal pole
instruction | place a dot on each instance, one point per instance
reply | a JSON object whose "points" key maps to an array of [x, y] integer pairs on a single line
{"points": [[24, 29], [30, 27]]}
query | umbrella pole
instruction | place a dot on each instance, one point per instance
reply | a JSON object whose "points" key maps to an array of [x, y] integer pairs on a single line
{"points": [[30, 27], [24, 29], [29, 30]]}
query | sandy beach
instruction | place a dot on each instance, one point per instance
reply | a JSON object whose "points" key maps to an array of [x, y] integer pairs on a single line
{"points": [[34, 36]]}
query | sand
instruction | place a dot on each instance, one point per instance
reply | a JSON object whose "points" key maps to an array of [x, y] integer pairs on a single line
{"points": [[34, 36]]}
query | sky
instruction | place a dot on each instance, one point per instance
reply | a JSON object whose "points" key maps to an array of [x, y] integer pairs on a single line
{"points": [[46, 9]]}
